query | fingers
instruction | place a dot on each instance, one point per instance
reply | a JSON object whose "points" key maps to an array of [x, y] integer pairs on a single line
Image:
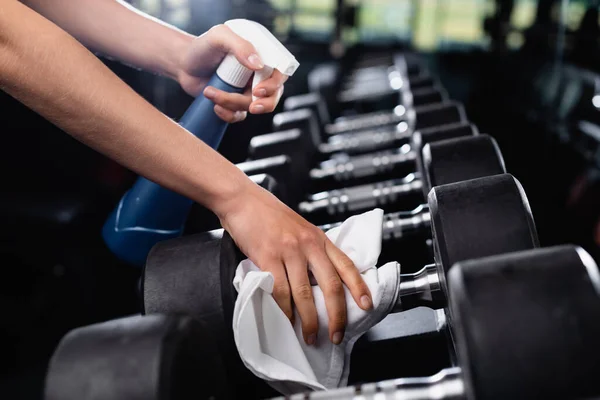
{"points": [[228, 115], [333, 291], [269, 87], [268, 93], [281, 288], [223, 38], [349, 275], [297, 271], [230, 101]]}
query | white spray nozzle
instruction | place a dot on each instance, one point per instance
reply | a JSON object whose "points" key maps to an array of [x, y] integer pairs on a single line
{"points": [[270, 50]]}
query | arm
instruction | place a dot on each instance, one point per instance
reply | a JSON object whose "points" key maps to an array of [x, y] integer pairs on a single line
{"points": [[50, 72], [58, 78], [116, 29]]}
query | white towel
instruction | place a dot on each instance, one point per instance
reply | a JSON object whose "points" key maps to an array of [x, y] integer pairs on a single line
{"points": [[275, 351]]}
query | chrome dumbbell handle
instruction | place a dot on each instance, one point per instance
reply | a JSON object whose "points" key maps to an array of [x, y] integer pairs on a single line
{"points": [[418, 288], [397, 225], [366, 121], [448, 384], [423, 281], [360, 197], [369, 140], [344, 167], [373, 88]]}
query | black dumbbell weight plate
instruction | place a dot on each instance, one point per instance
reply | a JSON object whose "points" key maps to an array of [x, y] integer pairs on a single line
{"points": [[545, 303], [154, 357], [479, 218]]}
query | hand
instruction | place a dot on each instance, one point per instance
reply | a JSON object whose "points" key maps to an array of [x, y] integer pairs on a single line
{"points": [[280, 241], [201, 60]]}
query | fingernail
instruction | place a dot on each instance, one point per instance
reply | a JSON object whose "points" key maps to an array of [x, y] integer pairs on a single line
{"points": [[210, 93], [365, 301], [260, 93], [256, 61], [258, 108], [337, 337], [311, 339]]}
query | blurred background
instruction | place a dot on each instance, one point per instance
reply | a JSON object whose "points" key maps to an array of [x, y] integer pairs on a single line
{"points": [[526, 71]]}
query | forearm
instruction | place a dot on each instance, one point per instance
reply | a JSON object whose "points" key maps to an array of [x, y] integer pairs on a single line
{"points": [[50, 72], [116, 29]]}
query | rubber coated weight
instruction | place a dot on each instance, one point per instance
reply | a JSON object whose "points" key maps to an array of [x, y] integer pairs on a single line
{"points": [[194, 276], [444, 132], [479, 218], [471, 219], [460, 159], [526, 324], [152, 357]]}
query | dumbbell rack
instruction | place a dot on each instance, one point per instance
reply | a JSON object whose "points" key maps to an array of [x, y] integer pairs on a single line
{"points": [[420, 335]]}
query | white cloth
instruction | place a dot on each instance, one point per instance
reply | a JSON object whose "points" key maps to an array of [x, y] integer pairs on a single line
{"points": [[275, 351]]}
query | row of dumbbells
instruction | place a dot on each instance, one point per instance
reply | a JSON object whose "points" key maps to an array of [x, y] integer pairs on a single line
{"points": [[521, 318], [279, 165], [372, 160]]}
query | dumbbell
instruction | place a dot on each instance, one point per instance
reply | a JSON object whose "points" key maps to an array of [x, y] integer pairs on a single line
{"points": [[379, 66], [349, 123], [442, 162], [476, 153], [382, 79], [353, 138], [368, 84], [153, 357], [314, 173], [525, 326], [470, 219], [445, 161], [303, 123]]}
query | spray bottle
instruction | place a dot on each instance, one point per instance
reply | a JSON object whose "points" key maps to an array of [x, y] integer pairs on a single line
{"points": [[149, 213]]}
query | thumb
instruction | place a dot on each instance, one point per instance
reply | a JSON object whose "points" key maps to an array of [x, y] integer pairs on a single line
{"points": [[224, 39]]}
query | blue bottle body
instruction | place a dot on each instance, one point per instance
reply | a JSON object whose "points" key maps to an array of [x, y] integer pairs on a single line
{"points": [[149, 213]]}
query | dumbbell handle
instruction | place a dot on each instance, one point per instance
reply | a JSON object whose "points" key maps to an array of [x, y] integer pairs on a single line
{"points": [[360, 197], [448, 384], [364, 121], [399, 224], [420, 285], [367, 140], [344, 168]]}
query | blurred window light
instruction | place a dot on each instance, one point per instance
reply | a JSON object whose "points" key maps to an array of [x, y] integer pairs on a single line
{"points": [[309, 18], [385, 19], [575, 14], [462, 21], [515, 40], [523, 14], [425, 28]]}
